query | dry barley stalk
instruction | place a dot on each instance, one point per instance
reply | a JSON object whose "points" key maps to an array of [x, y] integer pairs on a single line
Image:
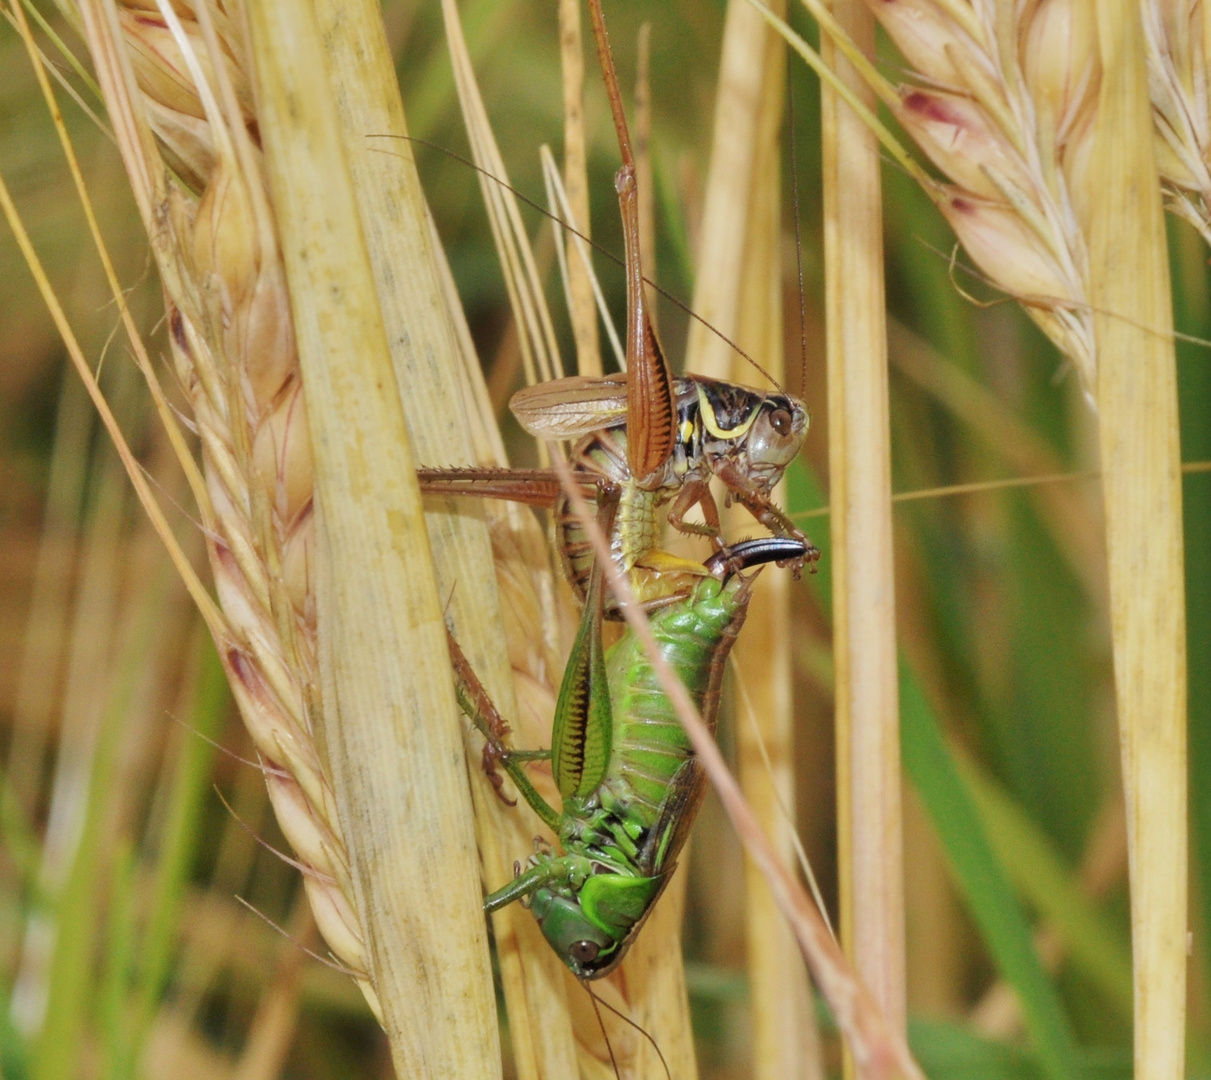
{"points": [[450, 422], [178, 81], [1142, 489], [869, 801], [581, 309], [1047, 120], [1048, 116]]}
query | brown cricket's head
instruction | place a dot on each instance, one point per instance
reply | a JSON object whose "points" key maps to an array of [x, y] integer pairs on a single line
{"points": [[758, 433]]}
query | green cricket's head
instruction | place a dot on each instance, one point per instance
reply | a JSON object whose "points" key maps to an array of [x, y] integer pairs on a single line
{"points": [[592, 928]]}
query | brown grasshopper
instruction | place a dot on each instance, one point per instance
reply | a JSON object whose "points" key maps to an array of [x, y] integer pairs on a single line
{"points": [[656, 438]]}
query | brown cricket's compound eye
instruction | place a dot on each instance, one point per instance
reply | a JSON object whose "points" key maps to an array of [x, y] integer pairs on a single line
{"points": [[584, 952], [781, 421]]}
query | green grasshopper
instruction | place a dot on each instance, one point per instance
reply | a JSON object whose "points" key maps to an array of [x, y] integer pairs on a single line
{"points": [[656, 438], [628, 779]]}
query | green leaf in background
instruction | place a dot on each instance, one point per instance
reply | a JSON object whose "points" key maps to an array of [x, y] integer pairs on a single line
{"points": [[1192, 304], [118, 967], [182, 832], [980, 877], [1039, 873], [949, 1051], [982, 880], [14, 1052]]}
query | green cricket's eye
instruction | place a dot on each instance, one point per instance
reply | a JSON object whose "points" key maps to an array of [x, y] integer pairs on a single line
{"points": [[780, 420], [584, 952]]}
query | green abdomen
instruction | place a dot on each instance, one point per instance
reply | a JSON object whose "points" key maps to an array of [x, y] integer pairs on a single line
{"points": [[649, 745]]}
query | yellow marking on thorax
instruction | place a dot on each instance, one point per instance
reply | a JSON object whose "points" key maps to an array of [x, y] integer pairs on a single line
{"points": [[707, 411]]}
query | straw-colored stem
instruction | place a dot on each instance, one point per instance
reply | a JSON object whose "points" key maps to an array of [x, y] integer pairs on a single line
{"points": [[413, 301], [582, 309], [739, 291], [864, 643], [786, 1041], [1141, 484], [725, 206], [390, 729]]}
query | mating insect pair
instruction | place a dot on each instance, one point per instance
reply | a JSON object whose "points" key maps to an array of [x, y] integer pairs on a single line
{"points": [[624, 767]]}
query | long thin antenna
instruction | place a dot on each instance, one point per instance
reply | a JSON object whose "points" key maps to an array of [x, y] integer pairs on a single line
{"points": [[601, 1024], [676, 301], [627, 1020]]}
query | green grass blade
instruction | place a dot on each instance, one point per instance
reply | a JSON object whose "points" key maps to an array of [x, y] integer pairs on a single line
{"points": [[1192, 304], [948, 1051], [981, 878], [116, 976], [982, 881], [182, 830], [14, 1052], [72, 988], [1039, 873]]}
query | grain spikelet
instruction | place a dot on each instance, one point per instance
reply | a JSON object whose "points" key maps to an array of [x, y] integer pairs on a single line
{"points": [[1013, 135], [234, 353], [186, 78], [1005, 111], [1178, 41]]}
